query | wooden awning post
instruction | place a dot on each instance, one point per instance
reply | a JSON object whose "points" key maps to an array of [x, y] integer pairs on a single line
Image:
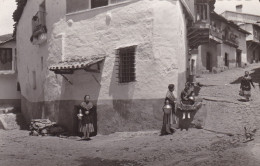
{"points": [[66, 79]]}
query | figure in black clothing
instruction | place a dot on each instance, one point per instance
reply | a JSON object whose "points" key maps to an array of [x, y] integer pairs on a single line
{"points": [[187, 97], [168, 117], [245, 86], [86, 117]]}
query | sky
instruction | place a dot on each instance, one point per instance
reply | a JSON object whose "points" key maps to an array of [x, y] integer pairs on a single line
{"points": [[249, 6], [8, 6]]}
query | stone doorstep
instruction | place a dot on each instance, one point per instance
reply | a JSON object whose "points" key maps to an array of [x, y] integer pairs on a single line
{"points": [[9, 121], [5, 110]]}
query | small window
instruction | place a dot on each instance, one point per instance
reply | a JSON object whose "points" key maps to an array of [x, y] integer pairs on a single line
{"points": [[126, 64], [18, 87], [116, 1], [34, 79], [41, 63], [6, 59], [98, 3], [78, 5]]}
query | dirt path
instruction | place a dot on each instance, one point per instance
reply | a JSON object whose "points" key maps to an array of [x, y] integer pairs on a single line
{"points": [[226, 113]]}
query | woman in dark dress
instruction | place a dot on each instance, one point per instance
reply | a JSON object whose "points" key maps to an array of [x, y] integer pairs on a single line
{"points": [[86, 119], [245, 86], [187, 97], [168, 117]]}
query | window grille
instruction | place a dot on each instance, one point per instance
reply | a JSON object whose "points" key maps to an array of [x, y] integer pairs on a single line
{"points": [[6, 59], [126, 69]]}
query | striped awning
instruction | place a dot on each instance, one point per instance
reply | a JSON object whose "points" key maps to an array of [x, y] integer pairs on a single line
{"points": [[76, 64]]}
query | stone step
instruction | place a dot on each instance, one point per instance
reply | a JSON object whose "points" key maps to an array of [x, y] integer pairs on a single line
{"points": [[5, 110], [12, 121]]}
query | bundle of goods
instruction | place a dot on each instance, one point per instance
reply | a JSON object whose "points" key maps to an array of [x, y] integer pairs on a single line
{"points": [[45, 127]]}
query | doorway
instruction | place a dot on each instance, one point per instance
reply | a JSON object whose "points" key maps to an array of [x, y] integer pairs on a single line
{"points": [[226, 60], [208, 61], [238, 58]]}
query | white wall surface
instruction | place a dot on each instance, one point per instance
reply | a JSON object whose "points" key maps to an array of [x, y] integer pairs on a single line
{"points": [[160, 57]]}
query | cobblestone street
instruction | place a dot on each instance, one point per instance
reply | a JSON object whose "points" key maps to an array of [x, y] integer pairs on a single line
{"points": [[209, 146]]}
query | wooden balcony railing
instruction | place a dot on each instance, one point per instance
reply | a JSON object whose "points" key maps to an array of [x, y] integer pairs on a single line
{"points": [[215, 32], [231, 39]]}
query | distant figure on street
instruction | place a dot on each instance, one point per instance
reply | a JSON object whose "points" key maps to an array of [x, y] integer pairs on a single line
{"points": [[168, 116], [85, 116], [245, 86]]}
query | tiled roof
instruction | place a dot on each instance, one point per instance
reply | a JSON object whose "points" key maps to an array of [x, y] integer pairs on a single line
{"points": [[231, 23], [6, 38], [74, 64]]}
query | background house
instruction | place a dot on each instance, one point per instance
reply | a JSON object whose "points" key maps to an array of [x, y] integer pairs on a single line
{"points": [[9, 85], [121, 53], [251, 24], [216, 43]]}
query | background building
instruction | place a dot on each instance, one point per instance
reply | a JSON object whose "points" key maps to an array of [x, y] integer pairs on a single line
{"points": [[251, 24], [216, 43], [9, 85]]}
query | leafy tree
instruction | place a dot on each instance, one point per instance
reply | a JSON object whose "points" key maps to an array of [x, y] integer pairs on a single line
{"points": [[18, 13]]}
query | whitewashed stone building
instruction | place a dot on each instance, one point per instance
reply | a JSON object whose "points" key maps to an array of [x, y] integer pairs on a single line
{"points": [[123, 53]]}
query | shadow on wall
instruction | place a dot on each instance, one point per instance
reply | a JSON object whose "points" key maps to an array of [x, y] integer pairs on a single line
{"points": [[255, 76], [31, 110], [85, 161], [122, 93], [21, 122], [84, 83]]}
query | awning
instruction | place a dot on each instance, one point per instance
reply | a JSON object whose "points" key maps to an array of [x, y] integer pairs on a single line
{"points": [[68, 66]]}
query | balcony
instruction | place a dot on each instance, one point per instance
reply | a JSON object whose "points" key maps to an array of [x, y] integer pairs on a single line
{"points": [[230, 39], [198, 35], [39, 29], [256, 36], [215, 34]]}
